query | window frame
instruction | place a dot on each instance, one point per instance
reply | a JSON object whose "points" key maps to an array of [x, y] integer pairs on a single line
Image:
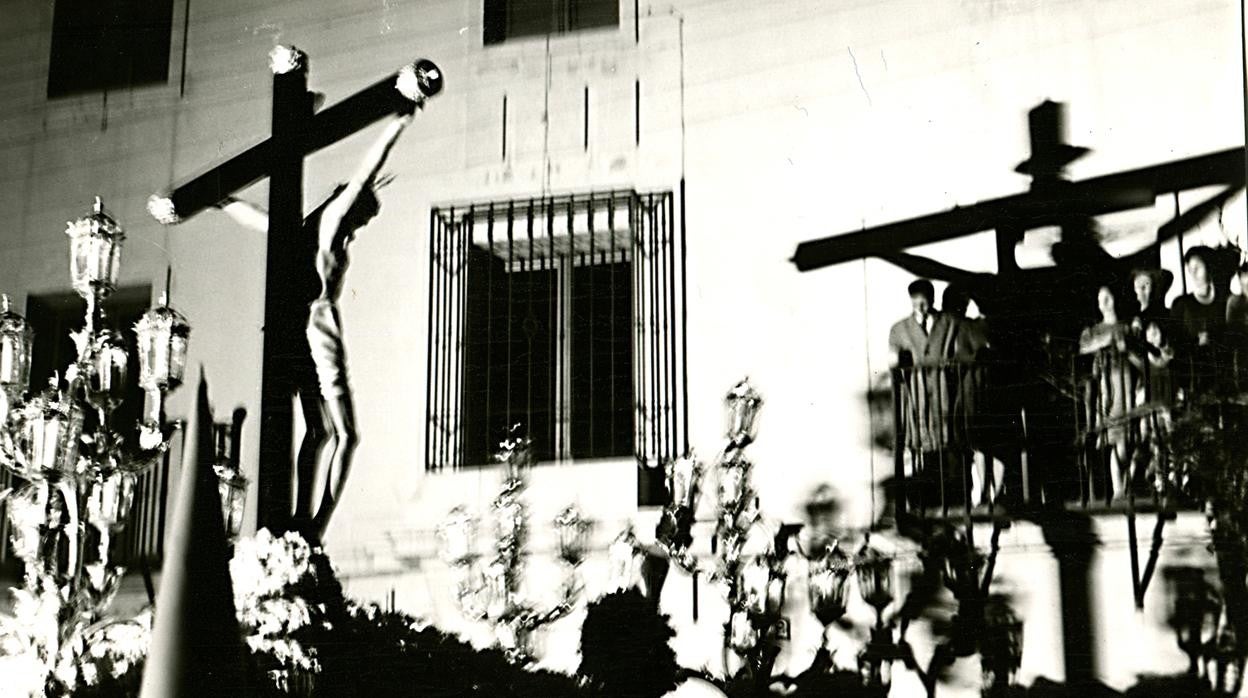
{"points": [[645, 234]]}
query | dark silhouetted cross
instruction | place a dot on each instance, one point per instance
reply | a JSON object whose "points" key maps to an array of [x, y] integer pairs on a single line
{"points": [[296, 133]]}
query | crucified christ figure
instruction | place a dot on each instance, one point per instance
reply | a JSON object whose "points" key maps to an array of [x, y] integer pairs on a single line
{"points": [[319, 372]]}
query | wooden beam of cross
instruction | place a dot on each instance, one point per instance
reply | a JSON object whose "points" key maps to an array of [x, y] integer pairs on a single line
{"points": [[296, 132], [1052, 200]]}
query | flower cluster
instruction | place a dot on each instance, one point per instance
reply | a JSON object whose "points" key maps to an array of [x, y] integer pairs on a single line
{"points": [[115, 650], [277, 598]]}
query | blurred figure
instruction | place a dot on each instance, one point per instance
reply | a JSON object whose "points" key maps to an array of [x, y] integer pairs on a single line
{"points": [[918, 344], [969, 429], [1237, 328], [1113, 388], [1150, 286]]}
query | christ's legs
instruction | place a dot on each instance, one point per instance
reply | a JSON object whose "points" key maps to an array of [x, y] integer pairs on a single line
{"points": [[334, 477], [316, 430]]}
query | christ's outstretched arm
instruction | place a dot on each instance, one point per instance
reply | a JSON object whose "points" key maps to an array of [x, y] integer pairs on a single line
{"points": [[349, 210]]}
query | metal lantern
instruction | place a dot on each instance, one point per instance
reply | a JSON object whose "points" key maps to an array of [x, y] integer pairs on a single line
{"points": [[106, 374], [232, 487], [743, 405], [828, 586], [962, 571], [509, 519], [733, 481], [457, 535], [573, 535], [47, 439], [16, 340], [1193, 619], [683, 477], [516, 453], [162, 339], [1002, 644], [624, 560], [875, 577], [497, 590], [231, 483], [95, 253], [109, 498], [742, 635], [753, 579]]}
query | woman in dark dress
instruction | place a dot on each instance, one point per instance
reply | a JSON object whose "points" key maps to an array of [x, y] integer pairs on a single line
{"points": [[1113, 391]]}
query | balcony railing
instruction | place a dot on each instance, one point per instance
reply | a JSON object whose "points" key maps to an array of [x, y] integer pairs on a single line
{"points": [[1053, 436]]}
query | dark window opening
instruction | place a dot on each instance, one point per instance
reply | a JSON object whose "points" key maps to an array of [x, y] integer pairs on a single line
{"points": [[54, 316], [510, 19], [563, 316], [109, 44]]}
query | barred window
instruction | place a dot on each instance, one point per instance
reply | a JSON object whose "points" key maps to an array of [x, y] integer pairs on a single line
{"points": [[563, 315]]}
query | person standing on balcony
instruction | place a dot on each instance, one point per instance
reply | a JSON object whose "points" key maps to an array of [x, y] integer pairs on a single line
{"points": [[1199, 319], [919, 344], [1113, 390], [1150, 286], [971, 424], [321, 372], [1237, 328]]}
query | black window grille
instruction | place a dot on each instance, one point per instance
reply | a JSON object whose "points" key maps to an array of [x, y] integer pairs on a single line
{"points": [[563, 315], [511, 19], [109, 44]]}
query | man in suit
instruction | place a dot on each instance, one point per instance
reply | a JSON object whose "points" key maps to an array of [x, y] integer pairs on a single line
{"points": [[919, 344]]}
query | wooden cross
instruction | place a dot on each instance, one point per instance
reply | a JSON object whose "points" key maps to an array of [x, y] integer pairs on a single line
{"points": [[296, 133], [1052, 200]]}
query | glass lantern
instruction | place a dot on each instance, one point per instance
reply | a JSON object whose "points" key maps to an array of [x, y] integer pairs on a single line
{"points": [[742, 635], [573, 535], [162, 340], [106, 376], [231, 483], [48, 436], [683, 475], [509, 520], [828, 586], [733, 482], [875, 578], [16, 340], [458, 536], [1003, 638], [743, 405], [624, 561], [516, 454], [95, 253], [109, 498], [753, 580]]}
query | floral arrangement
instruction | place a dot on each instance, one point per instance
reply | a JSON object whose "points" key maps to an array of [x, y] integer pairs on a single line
{"points": [[102, 659], [284, 595]]}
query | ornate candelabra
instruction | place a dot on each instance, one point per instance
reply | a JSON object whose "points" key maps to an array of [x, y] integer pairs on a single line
{"points": [[75, 473], [491, 589]]}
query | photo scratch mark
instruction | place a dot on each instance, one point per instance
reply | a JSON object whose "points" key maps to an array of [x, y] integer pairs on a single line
{"points": [[859, 74]]}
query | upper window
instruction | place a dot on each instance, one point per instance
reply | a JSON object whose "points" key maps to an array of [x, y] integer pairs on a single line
{"points": [[563, 316], [511, 19], [109, 44]]}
